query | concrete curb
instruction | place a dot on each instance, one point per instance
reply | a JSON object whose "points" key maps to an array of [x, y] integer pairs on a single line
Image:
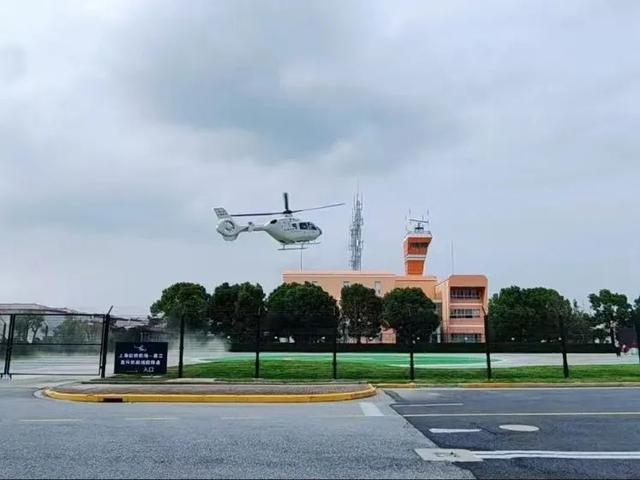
{"points": [[210, 398]]}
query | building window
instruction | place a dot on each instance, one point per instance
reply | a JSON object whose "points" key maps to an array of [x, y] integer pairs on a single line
{"points": [[464, 313], [466, 338], [465, 293], [377, 286]]}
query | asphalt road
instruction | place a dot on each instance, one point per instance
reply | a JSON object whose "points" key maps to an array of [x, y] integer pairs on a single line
{"points": [[43, 438], [565, 423]]}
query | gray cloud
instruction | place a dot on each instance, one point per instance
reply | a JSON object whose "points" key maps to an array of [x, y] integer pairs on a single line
{"points": [[120, 128]]}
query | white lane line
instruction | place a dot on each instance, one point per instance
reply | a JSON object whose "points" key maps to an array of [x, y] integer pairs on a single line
{"points": [[138, 419], [51, 420], [510, 454], [454, 430], [370, 410], [428, 404], [518, 414]]}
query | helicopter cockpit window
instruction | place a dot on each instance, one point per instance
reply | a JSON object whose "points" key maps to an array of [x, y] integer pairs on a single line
{"points": [[273, 221], [312, 226], [303, 226]]}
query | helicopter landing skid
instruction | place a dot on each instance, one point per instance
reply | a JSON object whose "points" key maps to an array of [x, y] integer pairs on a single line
{"points": [[302, 246]]}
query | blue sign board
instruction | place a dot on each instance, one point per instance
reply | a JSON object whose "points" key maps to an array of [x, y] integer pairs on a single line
{"points": [[145, 358]]}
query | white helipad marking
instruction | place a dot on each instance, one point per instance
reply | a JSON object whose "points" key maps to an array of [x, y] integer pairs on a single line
{"points": [[429, 405], [518, 414], [520, 428], [454, 430], [370, 410], [509, 454]]}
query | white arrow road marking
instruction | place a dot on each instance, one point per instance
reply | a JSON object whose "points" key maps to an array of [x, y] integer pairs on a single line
{"points": [[370, 410], [461, 455]]}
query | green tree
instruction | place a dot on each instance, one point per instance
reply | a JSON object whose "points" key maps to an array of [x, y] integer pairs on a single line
{"points": [[222, 308], [294, 308], [635, 317], [410, 313], [610, 311], [28, 325], [183, 300], [70, 330], [528, 314], [235, 309], [360, 311], [578, 325]]}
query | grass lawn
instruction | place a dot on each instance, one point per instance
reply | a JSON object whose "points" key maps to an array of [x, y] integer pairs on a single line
{"points": [[310, 370]]}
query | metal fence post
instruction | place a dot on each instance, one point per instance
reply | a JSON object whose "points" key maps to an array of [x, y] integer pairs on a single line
{"points": [[412, 370], [487, 342], [104, 348], [563, 344], [181, 347], [256, 374], [335, 353], [637, 325], [9, 346]]}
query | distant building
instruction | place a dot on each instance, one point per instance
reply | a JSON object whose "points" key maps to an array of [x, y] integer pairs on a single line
{"points": [[460, 299]]}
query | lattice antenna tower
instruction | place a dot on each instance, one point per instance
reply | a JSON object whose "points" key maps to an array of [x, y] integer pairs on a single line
{"points": [[355, 231]]}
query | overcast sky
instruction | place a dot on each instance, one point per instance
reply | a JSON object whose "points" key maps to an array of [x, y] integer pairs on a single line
{"points": [[516, 123]]}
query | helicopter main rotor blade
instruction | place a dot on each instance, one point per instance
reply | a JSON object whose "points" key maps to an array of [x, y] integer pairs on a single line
{"points": [[266, 214], [317, 208]]}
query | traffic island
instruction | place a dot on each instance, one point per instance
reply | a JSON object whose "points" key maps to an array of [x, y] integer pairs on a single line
{"points": [[210, 392]]}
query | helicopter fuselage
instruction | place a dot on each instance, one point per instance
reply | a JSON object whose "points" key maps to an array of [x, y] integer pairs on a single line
{"points": [[290, 230]]}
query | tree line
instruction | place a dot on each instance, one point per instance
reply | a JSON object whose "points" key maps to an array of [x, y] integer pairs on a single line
{"points": [[295, 310], [515, 314], [533, 315]]}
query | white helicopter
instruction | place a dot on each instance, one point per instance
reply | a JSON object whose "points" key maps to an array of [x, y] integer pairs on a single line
{"points": [[291, 232]]}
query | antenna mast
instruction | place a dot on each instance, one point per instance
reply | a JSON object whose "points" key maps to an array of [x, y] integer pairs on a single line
{"points": [[355, 242]]}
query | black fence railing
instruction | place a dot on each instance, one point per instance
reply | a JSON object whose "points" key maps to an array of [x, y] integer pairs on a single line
{"points": [[79, 344], [42, 343], [331, 346]]}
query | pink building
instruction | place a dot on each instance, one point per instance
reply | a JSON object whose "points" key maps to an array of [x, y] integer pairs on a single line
{"points": [[460, 299]]}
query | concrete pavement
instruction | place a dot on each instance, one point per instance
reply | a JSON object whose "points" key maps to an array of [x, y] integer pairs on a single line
{"points": [[43, 438]]}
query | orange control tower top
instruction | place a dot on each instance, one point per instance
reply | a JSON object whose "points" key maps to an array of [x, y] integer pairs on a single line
{"points": [[416, 245]]}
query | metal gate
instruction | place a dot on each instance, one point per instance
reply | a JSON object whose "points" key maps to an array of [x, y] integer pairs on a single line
{"points": [[41, 343]]}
